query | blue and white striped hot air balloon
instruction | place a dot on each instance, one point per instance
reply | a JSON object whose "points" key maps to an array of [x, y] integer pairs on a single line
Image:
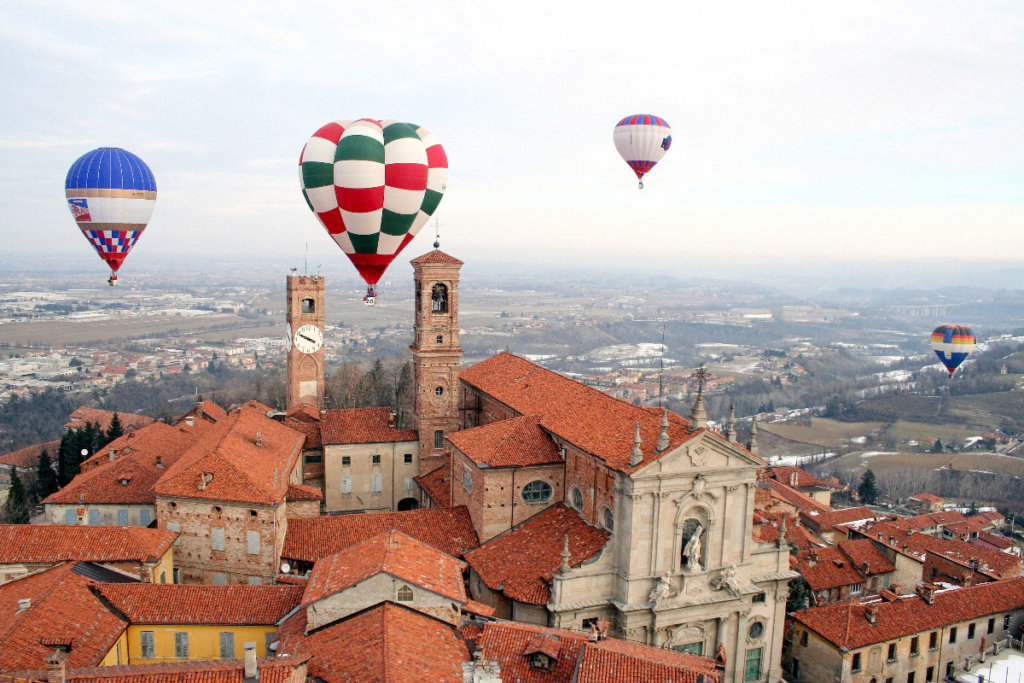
{"points": [[111, 194]]}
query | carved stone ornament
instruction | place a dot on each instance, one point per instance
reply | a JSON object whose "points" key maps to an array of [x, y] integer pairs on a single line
{"points": [[661, 591], [699, 484], [782, 595], [727, 581], [698, 455]]}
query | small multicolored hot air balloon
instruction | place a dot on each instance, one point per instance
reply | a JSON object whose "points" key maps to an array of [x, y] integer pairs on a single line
{"points": [[952, 344], [111, 194], [642, 141], [373, 185]]}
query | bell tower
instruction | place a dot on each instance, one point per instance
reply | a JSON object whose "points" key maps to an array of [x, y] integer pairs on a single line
{"points": [[305, 340], [436, 353]]}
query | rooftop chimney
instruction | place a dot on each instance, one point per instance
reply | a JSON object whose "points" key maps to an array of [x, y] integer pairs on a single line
{"points": [[794, 479], [250, 660], [24, 604], [57, 666], [190, 420], [259, 439], [872, 614], [112, 455], [159, 461], [199, 408], [812, 558], [927, 592]]}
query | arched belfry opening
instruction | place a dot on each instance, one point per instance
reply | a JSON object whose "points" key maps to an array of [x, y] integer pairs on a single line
{"points": [[308, 306], [439, 298]]}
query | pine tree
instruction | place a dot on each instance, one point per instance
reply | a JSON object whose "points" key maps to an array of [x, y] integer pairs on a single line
{"points": [[115, 429], [868, 489], [46, 479], [65, 458], [799, 595], [16, 508]]}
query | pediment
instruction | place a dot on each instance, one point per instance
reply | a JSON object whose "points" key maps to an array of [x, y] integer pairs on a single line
{"points": [[705, 452]]}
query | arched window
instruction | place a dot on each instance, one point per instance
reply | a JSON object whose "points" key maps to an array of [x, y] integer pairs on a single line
{"points": [[439, 299], [467, 480], [537, 492], [576, 498], [404, 594], [608, 519]]}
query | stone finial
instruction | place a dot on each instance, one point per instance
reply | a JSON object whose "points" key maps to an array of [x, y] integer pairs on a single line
{"points": [[637, 456], [663, 437], [564, 567], [730, 425], [782, 532], [698, 415], [752, 443]]}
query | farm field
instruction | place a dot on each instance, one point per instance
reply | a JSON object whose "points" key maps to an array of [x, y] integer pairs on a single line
{"points": [[904, 430], [60, 332], [823, 432]]}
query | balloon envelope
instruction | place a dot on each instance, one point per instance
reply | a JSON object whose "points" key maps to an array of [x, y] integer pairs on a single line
{"points": [[373, 185], [642, 140], [111, 194], [952, 344]]}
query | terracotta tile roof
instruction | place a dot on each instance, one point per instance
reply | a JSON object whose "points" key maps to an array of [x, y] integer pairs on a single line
{"points": [[207, 410], [992, 516], [28, 457], [62, 608], [129, 421], [437, 485], [438, 257], [926, 498], [577, 658], [517, 442], [271, 670], [387, 643], [866, 556], [447, 529], [521, 561], [931, 519], [992, 539], [973, 525], [796, 534], [310, 429], [249, 456], [845, 625], [787, 475], [392, 553], [824, 520], [995, 564], [42, 543], [830, 569], [166, 603], [790, 495], [130, 478], [595, 422], [362, 425], [304, 492]]}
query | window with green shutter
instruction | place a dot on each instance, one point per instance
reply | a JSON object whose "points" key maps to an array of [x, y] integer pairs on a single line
{"points": [[227, 645], [146, 644], [181, 645], [752, 665]]}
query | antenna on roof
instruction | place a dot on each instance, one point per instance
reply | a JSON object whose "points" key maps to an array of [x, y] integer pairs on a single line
{"points": [[661, 370], [437, 234]]}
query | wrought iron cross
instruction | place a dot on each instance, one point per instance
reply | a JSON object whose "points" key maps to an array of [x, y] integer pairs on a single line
{"points": [[701, 375]]}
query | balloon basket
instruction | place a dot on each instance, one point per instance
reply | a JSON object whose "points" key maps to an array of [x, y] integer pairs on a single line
{"points": [[112, 280]]}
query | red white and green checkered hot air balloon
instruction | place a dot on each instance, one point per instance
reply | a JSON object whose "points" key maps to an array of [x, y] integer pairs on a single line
{"points": [[373, 185]]}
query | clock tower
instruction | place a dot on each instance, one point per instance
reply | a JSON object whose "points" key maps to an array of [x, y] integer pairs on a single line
{"points": [[436, 353], [305, 340]]}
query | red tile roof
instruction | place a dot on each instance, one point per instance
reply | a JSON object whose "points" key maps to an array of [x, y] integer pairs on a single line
{"points": [[437, 485], [207, 410], [438, 257], [824, 520], [517, 442], [362, 425], [595, 422], [796, 534], [995, 564], [62, 608], [577, 658], [926, 498], [165, 603], [785, 474], [447, 529], [521, 561], [866, 556], [304, 492], [249, 456], [845, 625], [394, 553], [795, 498], [136, 453], [129, 421], [992, 539], [271, 670], [43, 543], [387, 643], [830, 569], [28, 457], [930, 520]]}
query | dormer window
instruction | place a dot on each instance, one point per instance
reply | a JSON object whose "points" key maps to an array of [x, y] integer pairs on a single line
{"points": [[405, 594], [539, 660], [125, 481]]}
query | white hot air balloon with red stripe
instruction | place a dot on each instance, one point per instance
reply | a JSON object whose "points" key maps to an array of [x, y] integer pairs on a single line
{"points": [[642, 140], [373, 185]]}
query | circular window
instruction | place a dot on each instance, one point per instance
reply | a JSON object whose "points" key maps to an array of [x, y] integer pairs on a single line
{"points": [[576, 498], [537, 492], [609, 519], [756, 630], [438, 391], [467, 480]]}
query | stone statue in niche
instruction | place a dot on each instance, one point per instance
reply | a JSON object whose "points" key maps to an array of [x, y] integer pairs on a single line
{"points": [[691, 551]]}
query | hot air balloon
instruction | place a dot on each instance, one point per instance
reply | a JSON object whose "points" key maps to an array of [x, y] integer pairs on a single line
{"points": [[642, 141], [373, 185], [111, 194], [952, 344]]}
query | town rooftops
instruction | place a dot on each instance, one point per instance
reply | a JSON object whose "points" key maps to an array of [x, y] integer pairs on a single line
{"points": [[246, 457], [45, 543], [60, 608], [797, 478], [82, 416], [165, 603], [518, 442], [394, 553], [437, 485], [362, 425], [992, 563], [304, 492], [926, 498], [521, 561], [386, 643], [596, 423], [312, 538], [847, 564], [821, 521], [271, 670], [846, 624], [28, 457]]}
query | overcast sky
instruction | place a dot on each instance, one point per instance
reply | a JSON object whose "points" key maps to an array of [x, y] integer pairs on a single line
{"points": [[801, 131]]}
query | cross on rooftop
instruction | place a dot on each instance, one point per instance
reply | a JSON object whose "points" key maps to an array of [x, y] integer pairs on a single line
{"points": [[701, 375]]}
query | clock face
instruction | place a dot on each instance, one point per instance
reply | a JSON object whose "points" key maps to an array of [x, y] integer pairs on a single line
{"points": [[309, 338]]}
